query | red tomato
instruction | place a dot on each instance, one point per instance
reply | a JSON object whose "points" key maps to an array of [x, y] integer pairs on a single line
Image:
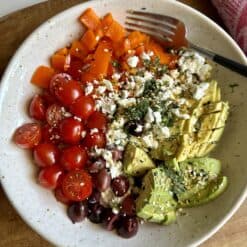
{"points": [[28, 135], [95, 140], [46, 154], [75, 69], [54, 114], [73, 158], [37, 108], [68, 92], [77, 185], [61, 197], [83, 107], [48, 176], [97, 120], [50, 134], [70, 130], [58, 80]]}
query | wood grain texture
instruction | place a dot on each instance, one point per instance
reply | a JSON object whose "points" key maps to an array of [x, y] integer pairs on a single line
{"points": [[14, 28]]}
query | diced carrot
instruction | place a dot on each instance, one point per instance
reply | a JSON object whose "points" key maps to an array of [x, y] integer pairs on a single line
{"points": [[137, 38], [78, 50], [90, 19], [89, 40], [98, 32], [115, 32], [140, 49], [124, 66], [165, 58], [106, 21], [42, 76], [87, 77], [63, 51], [102, 56], [58, 62], [122, 47]]}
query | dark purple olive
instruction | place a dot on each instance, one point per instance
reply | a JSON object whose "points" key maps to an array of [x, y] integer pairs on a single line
{"points": [[96, 166], [94, 197], [120, 185], [77, 211], [96, 213], [134, 128], [102, 180], [117, 154], [128, 206], [128, 227], [110, 219]]}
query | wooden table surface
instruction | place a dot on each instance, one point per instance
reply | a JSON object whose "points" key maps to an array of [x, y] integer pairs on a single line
{"points": [[13, 231]]}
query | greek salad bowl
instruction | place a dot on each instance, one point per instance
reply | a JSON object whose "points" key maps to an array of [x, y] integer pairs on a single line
{"points": [[121, 130]]}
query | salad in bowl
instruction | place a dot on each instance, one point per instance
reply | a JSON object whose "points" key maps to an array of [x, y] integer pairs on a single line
{"points": [[122, 128]]}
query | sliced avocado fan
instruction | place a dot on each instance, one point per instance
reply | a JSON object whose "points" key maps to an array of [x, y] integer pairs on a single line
{"points": [[155, 202]]}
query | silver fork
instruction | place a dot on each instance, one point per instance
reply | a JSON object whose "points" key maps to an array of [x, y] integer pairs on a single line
{"points": [[172, 33]]}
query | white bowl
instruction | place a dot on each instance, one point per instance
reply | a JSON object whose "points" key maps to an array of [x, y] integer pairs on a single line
{"points": [[38, 206]]}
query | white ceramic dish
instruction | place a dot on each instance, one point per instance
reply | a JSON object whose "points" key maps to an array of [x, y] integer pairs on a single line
{"points": [[38, 206]]}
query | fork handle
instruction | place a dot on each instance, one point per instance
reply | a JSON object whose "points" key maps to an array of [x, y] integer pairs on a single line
{"points": [[226, 62]]}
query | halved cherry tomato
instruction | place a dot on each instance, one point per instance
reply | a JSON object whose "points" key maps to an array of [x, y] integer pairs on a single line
{"points": [[68, 92], [57, 80], [61, 197], [95, 140], [37, 108], [73, 157], [54, 114], [48, 176], [46, 154], [28, 135], [83, 107], [77, 185], [70, 130], [48, 98], [97, 120]]}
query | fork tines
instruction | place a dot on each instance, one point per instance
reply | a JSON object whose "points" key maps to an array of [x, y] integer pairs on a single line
{"points": [[158, 25]]}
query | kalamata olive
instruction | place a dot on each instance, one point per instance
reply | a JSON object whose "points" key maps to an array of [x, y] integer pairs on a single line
{"points": [[94, 198], [128, 227], [103, 180], [134, 128], [110, 219], [120, 185], [128, 206], [96, 166], [117, 154], [96, 213], [77, 211]]}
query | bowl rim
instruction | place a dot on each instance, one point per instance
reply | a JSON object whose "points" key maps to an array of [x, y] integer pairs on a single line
{"points": [[8, 69]]}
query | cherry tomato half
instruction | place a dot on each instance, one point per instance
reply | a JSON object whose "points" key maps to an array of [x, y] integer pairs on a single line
{"points": [[54, 114], [46, 154], [58, 80], [83, 107], [95, 140], [70, 130], [48, 176], [73, 157], [75, 69], [68, 92], [28, 135], [77, 185], [97, 120], [37, 108]]}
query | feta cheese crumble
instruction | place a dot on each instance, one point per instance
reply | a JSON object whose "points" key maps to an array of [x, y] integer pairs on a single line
{"points": [[133, 61]]}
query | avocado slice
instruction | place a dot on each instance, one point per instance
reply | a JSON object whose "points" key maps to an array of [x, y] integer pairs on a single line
{"points": [[155, 202], [136, 161], [211, 192], [195, 175]]}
